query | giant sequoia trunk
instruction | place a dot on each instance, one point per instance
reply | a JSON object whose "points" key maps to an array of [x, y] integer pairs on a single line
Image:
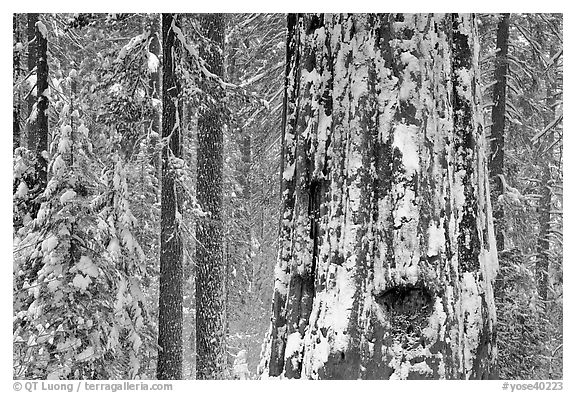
{"points": [[496, 162], [210, 275], [171, 273], [387, 249]]}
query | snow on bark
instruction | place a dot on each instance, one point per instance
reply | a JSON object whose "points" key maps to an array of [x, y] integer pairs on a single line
{"points": [[170, 308], [210, 270], [387, 252]]}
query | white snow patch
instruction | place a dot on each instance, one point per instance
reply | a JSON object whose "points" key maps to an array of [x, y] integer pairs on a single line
{"points": [[85, 354], [87, 267], [115, 88], [67, 196], [66, 130], [22, 190], [436, 322], [240, 367], [58, 164], [131, 44], [114, 246], [458, 191], [421, 368], [289, 172], [34, 114], [83, 130], [280, 283], [471, 304], [31, 84], [339, 306], [81, 282], [436, 240], [53, 285], [294, 346], [465, 83], [153, 62], [49, 244], [410, 60], [406, 140], [406, 89], [42, 29], [411, 274], [54, 375]]}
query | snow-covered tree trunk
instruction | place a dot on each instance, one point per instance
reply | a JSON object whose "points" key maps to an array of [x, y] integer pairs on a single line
{"points": [[210, 275], [38, 119], [16, 61], [387, 248], [545, 202], [31, 98], [154, 84], [40, 136], [496, 161], [171, 270]]}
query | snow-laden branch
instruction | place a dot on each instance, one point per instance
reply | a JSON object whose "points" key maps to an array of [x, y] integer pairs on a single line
{"points": [[200, 62], [550, 126]]}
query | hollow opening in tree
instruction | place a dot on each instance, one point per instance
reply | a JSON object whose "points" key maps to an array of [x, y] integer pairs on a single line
{"points": [[407, 307]]}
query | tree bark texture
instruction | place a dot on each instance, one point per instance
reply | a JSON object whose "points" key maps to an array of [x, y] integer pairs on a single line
{"points": [[496, 162], [38, 118], [31, 99], [155, 86], [210, 274], [387, 248], [545, 202], [40, 134], [171, 271], [16, 63]]}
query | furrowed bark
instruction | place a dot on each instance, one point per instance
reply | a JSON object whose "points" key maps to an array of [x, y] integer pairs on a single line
{"points": [[387, 250], [31, 100], [155, 87], [40, 136], [37, 137], [171, 272], [16, 63], [497, 130], [210, 274], [545, 202]]}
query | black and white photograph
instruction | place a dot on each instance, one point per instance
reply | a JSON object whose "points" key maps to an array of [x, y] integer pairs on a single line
{"points": [[277, 196]]}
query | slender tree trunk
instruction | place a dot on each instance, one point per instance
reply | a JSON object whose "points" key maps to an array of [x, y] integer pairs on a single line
{"points": [[210, 275], [31, 99], [40, 138], [545, 203], [387, 249], [16, 135], [155, 85], [171, 271], [239, 235], [38, 118], [543, 247], [496, 162]]}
